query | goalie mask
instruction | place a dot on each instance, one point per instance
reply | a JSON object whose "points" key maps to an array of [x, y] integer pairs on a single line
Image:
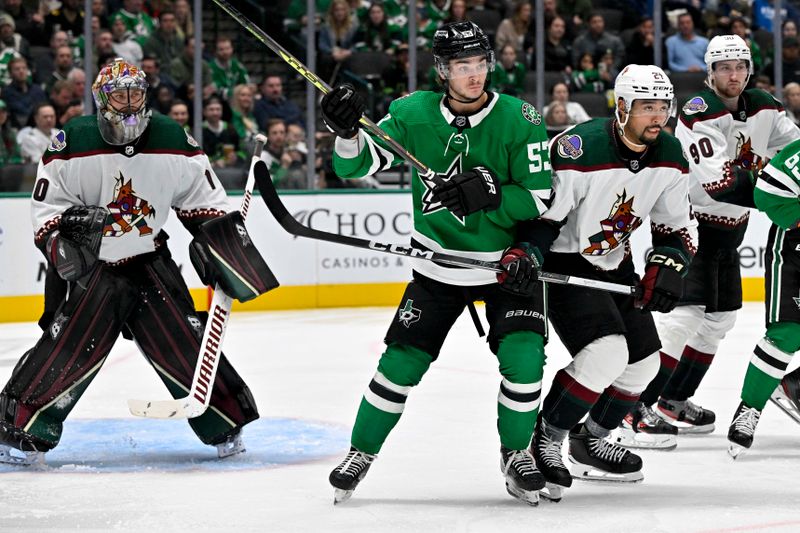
{"points": [[120, 92], [642, 82], [726, 48], [459, 40]]}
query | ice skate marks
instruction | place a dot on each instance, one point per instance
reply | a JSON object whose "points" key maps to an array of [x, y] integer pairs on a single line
{"points": [[137, 445]]}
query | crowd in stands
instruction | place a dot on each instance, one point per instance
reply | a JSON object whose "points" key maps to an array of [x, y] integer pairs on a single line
{"points": [[587, 43]]}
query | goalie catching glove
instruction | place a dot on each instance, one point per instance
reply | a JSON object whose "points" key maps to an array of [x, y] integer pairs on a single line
{"points": [[223, 253], [73, 248], [662, 285], [521, 264], [342, 109], [474, 190]]}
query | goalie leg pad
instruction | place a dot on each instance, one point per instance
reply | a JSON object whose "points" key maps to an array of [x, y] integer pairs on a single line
{"points": [[168, 331], [223, 252], [51, 377]]}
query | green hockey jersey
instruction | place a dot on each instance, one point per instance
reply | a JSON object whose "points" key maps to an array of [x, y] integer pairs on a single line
{"points": [[777, 190], [506, 135]]}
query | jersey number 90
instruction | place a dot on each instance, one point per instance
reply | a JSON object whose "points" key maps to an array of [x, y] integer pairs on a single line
{"points": [[535, 157]]}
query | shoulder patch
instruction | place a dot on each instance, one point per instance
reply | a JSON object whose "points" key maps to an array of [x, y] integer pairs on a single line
{"points": [[695, 105], [191, 140], [59, 141], [530, 114], [570, 146]]}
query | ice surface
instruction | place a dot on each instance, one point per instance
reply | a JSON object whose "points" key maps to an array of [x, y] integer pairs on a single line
{"points": [[439, 470]]}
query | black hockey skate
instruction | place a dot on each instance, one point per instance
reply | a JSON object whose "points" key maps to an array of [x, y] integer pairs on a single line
{"points": [[687, 416], [742, 430], [349, 473], [523, 479], [643, 428], [787, 395], [597, 459], [547, 454]]}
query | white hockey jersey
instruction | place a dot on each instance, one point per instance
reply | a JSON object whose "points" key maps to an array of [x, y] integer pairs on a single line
{"points": [[604, 197], [137, 183], [714, 138]]}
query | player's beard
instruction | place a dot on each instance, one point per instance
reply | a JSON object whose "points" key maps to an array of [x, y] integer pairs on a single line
{"points": [[647, 140], [727, 92]]}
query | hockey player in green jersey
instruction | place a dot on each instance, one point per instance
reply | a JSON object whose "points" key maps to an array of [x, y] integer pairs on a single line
{"points": [[777, 194], [727, 133], [609, 175], [490, 151]]}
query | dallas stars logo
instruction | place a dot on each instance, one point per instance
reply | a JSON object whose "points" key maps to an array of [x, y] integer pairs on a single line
{"points": [[408, 314], [429, 205], [797, 300]]}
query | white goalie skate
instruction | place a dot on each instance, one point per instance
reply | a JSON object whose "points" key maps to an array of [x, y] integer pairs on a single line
{"points": [[12, 456]]}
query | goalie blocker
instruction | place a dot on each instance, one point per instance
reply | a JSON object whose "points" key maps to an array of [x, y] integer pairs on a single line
{"points": [[222, 252]]}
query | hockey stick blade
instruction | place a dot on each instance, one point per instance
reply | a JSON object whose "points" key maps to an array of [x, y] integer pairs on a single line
{"points": [[292, 226]]}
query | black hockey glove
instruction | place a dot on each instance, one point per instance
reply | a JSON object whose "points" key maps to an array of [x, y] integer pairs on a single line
{"points": [[73, 248], [222, 252], [470, 192], [341, 110], [662, 285], [521, 264]]}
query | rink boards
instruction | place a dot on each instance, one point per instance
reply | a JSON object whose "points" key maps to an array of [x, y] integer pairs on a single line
{"points": [[312, 273]]}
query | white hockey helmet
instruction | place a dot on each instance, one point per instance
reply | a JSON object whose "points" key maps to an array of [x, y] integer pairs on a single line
{"points": [[725, 48], [642, 82]]}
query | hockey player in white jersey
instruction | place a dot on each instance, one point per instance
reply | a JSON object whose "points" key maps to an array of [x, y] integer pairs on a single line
{"points": [[727, 133], [103, 192], [608, 176]]}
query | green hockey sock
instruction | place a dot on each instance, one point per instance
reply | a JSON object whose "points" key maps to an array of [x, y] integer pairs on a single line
{"points": [[400, 368], [521, 357]]}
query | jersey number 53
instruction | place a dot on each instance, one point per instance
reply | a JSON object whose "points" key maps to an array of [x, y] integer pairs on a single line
{"points": [[535, 157]]}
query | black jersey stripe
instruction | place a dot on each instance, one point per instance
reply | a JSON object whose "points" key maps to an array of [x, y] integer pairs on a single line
{"points": [[774, 182]]}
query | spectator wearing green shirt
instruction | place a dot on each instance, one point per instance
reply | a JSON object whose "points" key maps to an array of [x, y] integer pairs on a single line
{"points": [[9, 149], [181, 69], [137, 21], [164, 43], [242, 118], [226, 71], [509, 74]]}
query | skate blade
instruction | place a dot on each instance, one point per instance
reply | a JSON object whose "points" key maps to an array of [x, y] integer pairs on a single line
{"points": [[28, 459], [341, 496], [552, 492], [590, 473], [785, 404], [644, 441], [736, 450], [531, 497], [684, 428]]}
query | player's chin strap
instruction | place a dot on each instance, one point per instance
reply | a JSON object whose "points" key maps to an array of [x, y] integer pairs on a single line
{"points": [[621, 130]]}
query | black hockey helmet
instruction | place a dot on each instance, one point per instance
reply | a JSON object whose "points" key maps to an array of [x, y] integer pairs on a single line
{"points": [[457, 40]]}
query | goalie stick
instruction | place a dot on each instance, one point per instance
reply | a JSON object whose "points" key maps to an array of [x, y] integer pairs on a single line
{"points": [[288, 222], [205, 370]]}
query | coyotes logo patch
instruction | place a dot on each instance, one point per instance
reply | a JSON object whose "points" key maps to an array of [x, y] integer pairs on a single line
{"points": [[127, 211], [616, 229], [746, 158]]}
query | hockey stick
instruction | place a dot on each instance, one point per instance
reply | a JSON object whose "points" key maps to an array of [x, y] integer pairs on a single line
{"points": [[288, 223], [205, 371], [295, 63]]}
